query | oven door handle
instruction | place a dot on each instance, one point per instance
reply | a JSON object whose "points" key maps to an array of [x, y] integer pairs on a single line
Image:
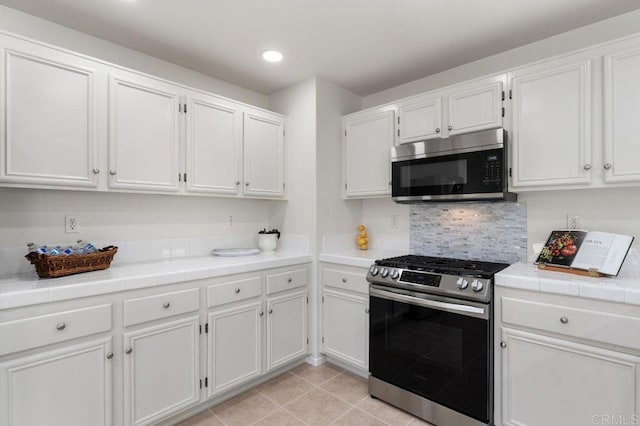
{"points": [[462, 309]]}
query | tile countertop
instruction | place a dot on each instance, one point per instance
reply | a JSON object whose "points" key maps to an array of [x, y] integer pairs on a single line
{"points": [[360, 258], [625, 288], [28, 289]]}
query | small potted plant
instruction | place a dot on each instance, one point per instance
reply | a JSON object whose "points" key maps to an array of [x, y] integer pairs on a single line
{"points": [[268, 240]]}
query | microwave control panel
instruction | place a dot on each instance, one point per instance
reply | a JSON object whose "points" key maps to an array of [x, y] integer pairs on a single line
{"points": [[492, 170]]}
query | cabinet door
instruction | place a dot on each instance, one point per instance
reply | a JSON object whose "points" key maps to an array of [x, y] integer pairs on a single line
{"points": [[286, 329], [420, 119], [64, 387], [368, 140], [235, 346], [49, 135], [161, 371], [214, 145], [476, 107], [551, 133], [621, 124], [143, 133], [263, 154], [547, 381], [346, 327]]}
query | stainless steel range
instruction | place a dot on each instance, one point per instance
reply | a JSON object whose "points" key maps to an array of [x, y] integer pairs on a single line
{"points": [[431, 337]]}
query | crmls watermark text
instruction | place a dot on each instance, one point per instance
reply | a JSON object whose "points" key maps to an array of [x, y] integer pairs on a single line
{"points": [[615, 419]]}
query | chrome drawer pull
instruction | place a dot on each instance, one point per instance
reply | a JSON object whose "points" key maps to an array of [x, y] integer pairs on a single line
{"points": [[237, 290], [110, 355], [128, 350], [166, 305], [503, 344], [344, 280], [289, 280], [61, 326], [564, 320]]}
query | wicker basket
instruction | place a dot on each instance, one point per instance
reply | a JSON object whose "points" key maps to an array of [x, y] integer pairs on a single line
{"points": [[58, 266]]}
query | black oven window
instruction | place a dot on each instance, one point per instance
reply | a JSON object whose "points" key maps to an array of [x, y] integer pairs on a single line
{"points": [[439, 355]]}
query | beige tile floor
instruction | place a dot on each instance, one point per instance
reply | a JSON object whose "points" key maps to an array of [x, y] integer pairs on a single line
{"points": [[307, 395]]}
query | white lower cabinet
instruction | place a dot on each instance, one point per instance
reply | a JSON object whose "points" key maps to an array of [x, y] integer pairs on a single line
{"points": [[346, 327], [565, 360], [286, 328], [70, 386], [548, 381], [345, 314], [161, 370], [234, 344]]}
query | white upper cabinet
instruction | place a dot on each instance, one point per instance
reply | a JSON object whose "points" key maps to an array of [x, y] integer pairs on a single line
{"points": [[621, 123], [213, 145], [477, 106], [48, 111], [144, 133], [368, 139], [263, 154], [420, 119], [551, 123]]}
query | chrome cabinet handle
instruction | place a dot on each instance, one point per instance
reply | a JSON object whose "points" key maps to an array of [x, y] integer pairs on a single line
{"points": [[112, 172], [437, 129], [344, 280], [61, 326], [237, 182], [607, 166], [449, 127], [366, 311], [166, 305], [564, 320], [128, 350], [110, 355], [261, 313], [587, 166], [246, 184], [289, 280], [270, 311], [503, 344], [96, 171], [237, 290]]}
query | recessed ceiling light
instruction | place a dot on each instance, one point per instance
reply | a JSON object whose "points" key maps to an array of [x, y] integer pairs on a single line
{"points": [[272, 56]]}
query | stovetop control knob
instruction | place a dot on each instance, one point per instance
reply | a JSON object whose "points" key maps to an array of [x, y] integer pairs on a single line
{"points": [[395, 274], [374, 271], [384, 273], [477, 285], [462, 283]]}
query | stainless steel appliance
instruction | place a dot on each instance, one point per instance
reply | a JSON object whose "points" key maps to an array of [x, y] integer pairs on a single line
{"points": [[465, 167], [431, 334]]}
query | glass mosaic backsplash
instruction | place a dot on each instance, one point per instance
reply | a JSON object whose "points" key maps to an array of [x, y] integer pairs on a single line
{"points": [[489, 231]]}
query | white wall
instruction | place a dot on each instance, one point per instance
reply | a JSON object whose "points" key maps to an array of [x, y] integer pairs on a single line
{"points": [[20, 23], [613, 210], [335, 215]]}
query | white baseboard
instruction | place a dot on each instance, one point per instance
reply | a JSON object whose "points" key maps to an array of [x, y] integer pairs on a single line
{"points": [[316, 360]]}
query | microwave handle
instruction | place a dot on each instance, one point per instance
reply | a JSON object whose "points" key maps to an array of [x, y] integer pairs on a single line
{"points": [[462, 309]]}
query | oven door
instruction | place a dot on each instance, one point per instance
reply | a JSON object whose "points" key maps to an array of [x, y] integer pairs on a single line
{"points": [[435, 347], [468, 175]]}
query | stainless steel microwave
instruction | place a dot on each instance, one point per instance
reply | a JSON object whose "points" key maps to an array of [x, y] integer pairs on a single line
{"points": [[469, 167]]}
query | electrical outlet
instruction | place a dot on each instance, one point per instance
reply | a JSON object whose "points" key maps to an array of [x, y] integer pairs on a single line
{"points": [[573, 221], [394, 221], [71, 224]]}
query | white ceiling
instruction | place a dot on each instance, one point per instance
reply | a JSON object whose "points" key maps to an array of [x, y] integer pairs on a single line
{"points": [[362, 45]]}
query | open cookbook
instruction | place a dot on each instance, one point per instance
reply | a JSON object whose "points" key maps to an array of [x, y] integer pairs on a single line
{"points": [[600, 252]]}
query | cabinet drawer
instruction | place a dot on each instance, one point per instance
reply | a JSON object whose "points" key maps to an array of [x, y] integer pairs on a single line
{"points": [[44, 330], [234, 291], [345, 280], [164, 305], [597, 326], [287, 280]]}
